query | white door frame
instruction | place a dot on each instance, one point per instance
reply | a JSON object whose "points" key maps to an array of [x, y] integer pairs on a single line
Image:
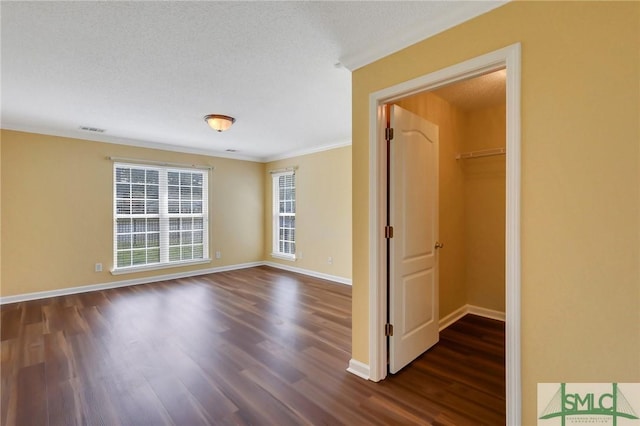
{"points": [[508, 57]]}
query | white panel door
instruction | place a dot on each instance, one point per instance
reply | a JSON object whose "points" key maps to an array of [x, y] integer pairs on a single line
{"points": [[413, 260]]}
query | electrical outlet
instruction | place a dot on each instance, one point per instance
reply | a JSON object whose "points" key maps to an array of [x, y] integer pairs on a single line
{"points": [[330, 260], [218, 255], [98, 267], [299, 255]]}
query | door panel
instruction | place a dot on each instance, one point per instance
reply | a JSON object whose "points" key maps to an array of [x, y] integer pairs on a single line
{"points": [[413, 212], [417, 288]]}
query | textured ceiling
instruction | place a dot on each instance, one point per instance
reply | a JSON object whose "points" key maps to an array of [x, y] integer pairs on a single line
{"points": [[147, 72], [481, 92]]}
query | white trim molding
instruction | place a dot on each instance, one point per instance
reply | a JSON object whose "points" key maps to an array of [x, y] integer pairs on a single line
{"points": [[470, 309], [509, 58], [157, 278], [412, 34], [157, 267], [358, 368], [486, 313], [323, 276], [453, 317], [288, 257], [307, 151], [122, 283], [102, 138]]}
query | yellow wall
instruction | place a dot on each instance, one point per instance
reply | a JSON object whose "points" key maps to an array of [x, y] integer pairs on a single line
{"points": [[453, 290], [57, 211], [323, 205], [484, 208], [580, 181]]}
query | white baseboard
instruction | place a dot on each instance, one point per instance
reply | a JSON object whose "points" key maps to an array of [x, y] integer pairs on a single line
{"points": [[359, 369], [314, 274], [453, 317], [146, 280], [122, 283], [470, 309], [487, 313]]}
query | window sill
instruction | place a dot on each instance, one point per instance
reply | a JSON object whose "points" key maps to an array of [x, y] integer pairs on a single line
{"points": [[289, 257], [155, 267]]}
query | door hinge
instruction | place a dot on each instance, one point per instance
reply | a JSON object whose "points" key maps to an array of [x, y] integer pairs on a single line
{"points": [[388, 231], [388, 133], [388, 329]]}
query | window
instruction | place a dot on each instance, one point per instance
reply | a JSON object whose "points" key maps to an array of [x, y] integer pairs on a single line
{"points": [[160, 217], [284, 215]]}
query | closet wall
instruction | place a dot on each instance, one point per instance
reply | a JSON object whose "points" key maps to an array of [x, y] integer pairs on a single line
{"points": [[472, 202], [484, 208]]}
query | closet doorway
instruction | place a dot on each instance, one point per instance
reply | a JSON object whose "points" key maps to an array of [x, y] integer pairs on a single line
{"points": [[476, 190], [469, 121], [506, 58]]}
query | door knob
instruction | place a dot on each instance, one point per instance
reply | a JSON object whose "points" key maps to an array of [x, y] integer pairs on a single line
{"points": [[438, 245]]}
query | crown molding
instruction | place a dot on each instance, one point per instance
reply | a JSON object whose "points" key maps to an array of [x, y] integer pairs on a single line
{"points": [[167, 147], [412, 35], [307, 151]]}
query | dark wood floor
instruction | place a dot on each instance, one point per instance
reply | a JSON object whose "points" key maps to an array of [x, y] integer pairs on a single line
{"points": [[256, 346]]}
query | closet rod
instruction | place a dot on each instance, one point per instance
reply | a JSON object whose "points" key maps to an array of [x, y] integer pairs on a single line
{"points": [[481, 153]]}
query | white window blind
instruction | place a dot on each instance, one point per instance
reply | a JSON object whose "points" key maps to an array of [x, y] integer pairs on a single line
{"points": [[160, 216], [284, 214]]}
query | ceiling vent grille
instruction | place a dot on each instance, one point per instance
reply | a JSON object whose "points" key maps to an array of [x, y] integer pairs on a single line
{"points": [[92, 129]]}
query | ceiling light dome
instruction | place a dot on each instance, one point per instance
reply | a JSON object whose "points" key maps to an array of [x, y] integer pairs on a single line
{"points": [[218, 122]]}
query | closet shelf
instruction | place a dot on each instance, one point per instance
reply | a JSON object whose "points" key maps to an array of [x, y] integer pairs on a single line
{"points": [[481, 153]]}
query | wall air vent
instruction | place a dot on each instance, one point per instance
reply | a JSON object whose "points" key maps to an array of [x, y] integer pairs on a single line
{"points": [[92, 129]]}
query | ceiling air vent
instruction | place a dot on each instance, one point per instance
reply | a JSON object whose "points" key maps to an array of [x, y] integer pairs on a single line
{"points": [[92, 129], [232, 150]]}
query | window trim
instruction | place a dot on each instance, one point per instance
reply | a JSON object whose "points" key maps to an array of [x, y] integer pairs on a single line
{"points": [[275, 237], [157, 266], [163, 215]]}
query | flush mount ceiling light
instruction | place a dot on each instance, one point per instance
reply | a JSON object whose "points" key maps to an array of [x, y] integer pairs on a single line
{"points": [[218, 122]]}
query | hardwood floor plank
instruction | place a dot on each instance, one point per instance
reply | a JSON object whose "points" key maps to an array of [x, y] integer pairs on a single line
{"points": [[10, 321], [134, 400], [304, 408], [211, 399], [33, 311], [63, 405], [250, 347], [66, 318], [255, 404], [8, 381], [31, 389], [406, 415], [178, 402], [341, 407], [96, 403], [253, 354], [57, 358]]}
